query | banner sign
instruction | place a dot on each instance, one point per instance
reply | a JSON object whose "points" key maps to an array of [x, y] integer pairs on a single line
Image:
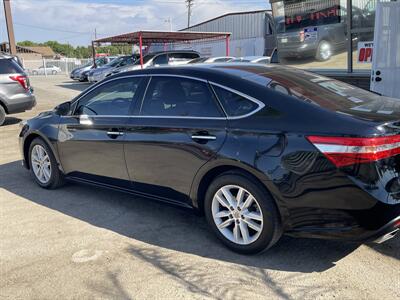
{"points": [[365, 51]]}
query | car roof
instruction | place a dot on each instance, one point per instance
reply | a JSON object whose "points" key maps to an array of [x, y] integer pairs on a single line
{"points": [[212, 71], [172, 51]]}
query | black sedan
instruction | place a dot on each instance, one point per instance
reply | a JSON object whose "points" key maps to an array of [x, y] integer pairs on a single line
{"points": [[261, 150]]}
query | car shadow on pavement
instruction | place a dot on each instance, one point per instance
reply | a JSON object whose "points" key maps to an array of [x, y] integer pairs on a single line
{"points": [[11, 121], [172, 228], [73, 85]]}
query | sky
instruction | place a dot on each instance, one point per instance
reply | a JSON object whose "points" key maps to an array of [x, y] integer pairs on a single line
{"points": [[75, 21]]}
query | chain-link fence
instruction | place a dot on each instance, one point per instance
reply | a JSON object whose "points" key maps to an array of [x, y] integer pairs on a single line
{"points": [[49, 67]]}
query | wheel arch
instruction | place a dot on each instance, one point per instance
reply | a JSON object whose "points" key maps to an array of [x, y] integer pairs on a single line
{"points": [[27, 142], [2, 104], [206, 175]]}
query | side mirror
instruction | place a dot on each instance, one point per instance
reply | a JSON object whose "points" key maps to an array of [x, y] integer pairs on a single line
{"points": [[63, 109]]}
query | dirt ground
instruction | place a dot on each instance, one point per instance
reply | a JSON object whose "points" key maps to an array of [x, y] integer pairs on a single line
{"points": [[81, 242]]}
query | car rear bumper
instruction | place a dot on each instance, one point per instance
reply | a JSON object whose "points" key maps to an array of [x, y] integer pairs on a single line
{"points": [[297, 49], [21, 104], [376, 224]]}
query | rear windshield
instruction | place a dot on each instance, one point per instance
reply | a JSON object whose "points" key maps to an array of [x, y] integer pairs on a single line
{"points": [[318, 90], [198, 60], [9, 66], [146, 58], [183, 55]]}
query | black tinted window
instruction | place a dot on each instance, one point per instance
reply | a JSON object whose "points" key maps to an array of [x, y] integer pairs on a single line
{"points": [[160, 60], [9, 66], [112, 98], [234, 104], [173, 96], [223, 59], [183, 55]]}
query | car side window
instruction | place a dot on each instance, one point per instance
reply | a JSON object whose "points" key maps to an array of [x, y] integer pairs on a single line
{"points": [[112, 98], [175, 96], [161, 60], [234, 104]]}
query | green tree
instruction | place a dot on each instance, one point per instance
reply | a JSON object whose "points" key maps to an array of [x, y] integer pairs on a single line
{"points": [[79, 51]]}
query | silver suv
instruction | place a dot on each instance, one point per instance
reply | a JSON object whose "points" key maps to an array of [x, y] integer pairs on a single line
{"points": [[156, 59], [16, 94]]}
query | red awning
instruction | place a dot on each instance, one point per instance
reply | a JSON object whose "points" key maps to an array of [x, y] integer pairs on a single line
{"points": [[163, 37]]}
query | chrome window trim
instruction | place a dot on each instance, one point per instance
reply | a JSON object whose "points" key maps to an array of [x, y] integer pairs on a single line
{"points": [[177, 117], [148, 117], [144, 95], [260, 104], [177, 75], [138, 75]]}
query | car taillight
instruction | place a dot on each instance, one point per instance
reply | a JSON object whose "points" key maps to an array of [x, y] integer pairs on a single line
{"points": [[344, 151], [301, 35], [22, 80]]}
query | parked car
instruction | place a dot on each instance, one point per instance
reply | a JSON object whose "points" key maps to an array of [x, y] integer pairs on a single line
{"points": [[99, 74], [16, 94], [77, 73], [261, 150], [319, 33], [51, 69], [207, 59], [14, 57], [253, 59], [84, 75], [157, 59]]}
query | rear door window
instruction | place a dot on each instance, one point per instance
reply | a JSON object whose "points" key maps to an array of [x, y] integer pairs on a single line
{"points": [[179, 97], [9, 66]]}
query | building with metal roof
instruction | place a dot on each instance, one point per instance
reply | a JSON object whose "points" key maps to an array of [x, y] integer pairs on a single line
{"points": [[252, 33]]}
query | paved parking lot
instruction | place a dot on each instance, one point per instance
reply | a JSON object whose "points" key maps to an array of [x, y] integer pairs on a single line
{"points": [[83, 242]]}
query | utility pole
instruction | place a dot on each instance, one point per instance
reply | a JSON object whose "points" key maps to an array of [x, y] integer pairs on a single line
{"points": [[10, 27], [189, 4], [169, 21], [95, 34]]}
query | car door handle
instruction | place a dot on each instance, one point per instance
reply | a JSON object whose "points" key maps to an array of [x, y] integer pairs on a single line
{"points": [[204, 137], [114, 133]]}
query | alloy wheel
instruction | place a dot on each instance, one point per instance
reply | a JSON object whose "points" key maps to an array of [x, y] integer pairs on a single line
{"points": [[325, 51], [237, 214], [41, 165]]}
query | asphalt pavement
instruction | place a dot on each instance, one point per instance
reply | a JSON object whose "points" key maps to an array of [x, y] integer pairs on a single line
{"points": [[83, 242]]}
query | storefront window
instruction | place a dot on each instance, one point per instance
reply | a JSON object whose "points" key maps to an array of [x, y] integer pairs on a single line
{"points": [[313, 34], [363, 33]]}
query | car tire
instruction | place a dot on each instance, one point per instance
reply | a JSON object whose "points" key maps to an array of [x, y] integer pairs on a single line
{"points": [[53, 177], [54, 72], [324, 51], [2, 115], [34, 73], [261, 214]]}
